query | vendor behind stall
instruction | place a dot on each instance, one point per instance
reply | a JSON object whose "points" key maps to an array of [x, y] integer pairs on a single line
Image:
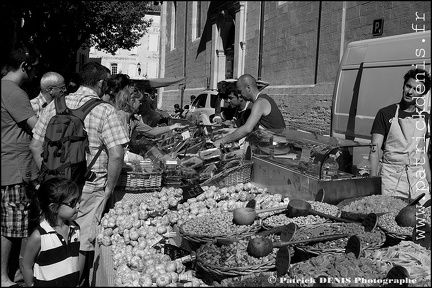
{"points": [[265, 114], [238, 110]]}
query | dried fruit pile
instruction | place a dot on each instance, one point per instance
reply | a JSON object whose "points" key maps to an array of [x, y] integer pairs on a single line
{"points": [[233, 255], [369, 239], [281, 219], [415, 258], [344, 267], [212, 225]]}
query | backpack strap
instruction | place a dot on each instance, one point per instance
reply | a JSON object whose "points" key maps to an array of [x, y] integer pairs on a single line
{"points": [[82, 111], [60, 105]]}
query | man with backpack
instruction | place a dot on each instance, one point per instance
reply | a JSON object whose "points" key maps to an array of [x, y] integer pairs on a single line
{"points": [[104, 130]]}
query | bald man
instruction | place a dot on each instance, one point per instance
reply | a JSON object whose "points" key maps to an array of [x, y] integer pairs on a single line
{"points": [[265, 114], [52, 85]]}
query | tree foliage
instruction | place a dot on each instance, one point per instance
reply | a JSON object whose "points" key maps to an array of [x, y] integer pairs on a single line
{"points": [[58, 28]]}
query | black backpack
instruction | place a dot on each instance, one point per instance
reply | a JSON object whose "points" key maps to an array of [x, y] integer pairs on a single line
{"points": [[66, 143]]}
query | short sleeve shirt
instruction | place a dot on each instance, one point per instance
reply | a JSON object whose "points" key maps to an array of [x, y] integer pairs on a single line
{"points": [[382, 122], [102, 124], [38, 104], [16, 158]]}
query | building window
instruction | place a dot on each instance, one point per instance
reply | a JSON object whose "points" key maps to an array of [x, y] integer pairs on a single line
{"points": [[113, 68], [196, 20], [173, 24]]}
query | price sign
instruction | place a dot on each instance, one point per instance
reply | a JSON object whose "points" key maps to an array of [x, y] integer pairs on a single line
{"points": [[185, 135], [305, 155]]}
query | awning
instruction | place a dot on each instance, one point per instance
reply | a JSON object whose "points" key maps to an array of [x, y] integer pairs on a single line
{"points": [[151, 83]]}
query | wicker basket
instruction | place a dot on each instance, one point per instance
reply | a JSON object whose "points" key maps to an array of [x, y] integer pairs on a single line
{"points": [[393, 237], [312, 251], [139, 181], [357, 216], [198, 240], [232, 176], [219, 273]]}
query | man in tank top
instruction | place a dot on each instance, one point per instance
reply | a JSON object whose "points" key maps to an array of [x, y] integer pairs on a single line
{"points": [[265, 114]]}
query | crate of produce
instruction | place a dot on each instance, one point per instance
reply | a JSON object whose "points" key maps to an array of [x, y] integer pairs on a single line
{"points": [[232, 176], [139, 176]]}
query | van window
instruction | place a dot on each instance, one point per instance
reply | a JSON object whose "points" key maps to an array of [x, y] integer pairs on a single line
{"points": [[213, 100], [200, 101]]}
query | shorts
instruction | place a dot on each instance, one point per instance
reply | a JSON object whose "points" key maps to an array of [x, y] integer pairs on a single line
{"points": [[92, 206], [15, 207]]}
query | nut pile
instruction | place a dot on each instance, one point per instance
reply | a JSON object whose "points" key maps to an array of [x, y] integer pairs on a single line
{"points": [[211, 225], [388, 222], [368, 239], [325, 208], [340, 266], [375, 204], [282, 219]]}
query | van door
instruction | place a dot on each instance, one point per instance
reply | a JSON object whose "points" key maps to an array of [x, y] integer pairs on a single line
{"points": [[370, 77]]}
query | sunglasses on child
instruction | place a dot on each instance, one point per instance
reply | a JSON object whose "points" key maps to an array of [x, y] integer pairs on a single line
{"points": [[72, 203]]}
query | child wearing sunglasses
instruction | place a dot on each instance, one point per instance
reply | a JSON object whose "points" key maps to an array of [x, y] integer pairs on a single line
{"points": [[51, 256]]}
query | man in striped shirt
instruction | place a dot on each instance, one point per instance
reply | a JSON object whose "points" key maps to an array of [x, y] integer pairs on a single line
{"points": [[104, 128]]}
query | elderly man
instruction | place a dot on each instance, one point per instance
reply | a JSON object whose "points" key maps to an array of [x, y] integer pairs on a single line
{"points": [[52, 85], [104, 129], [265, 114]]}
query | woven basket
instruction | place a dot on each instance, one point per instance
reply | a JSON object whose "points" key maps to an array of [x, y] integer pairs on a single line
{"points": [[139, 181], [232, 176], [218, 273], [357, 216], [316, 251], [393, 237], [203, 239]]}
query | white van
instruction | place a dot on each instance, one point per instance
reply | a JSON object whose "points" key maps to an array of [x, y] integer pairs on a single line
{"points": [[370, 77]]}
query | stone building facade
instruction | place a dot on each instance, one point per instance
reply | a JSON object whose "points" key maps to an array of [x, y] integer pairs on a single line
{"points": [[141, 62], [295, 46]]}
